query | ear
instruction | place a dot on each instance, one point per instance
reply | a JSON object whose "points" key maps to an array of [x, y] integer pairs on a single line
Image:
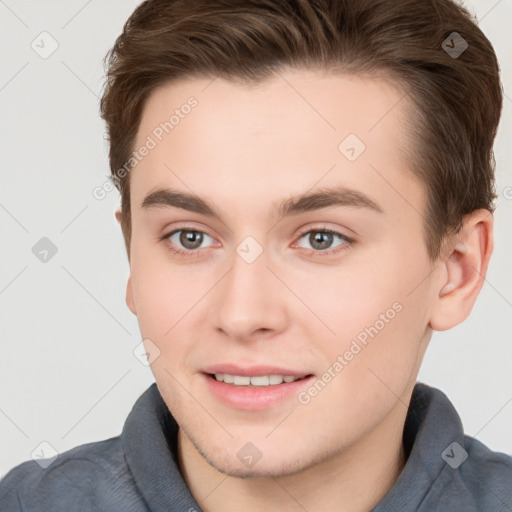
{"points": [[463, 271], [119, 216], [129, 297]]}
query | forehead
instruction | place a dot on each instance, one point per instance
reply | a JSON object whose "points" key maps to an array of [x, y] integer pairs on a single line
{"points": [[319, 101], [283, 135]]}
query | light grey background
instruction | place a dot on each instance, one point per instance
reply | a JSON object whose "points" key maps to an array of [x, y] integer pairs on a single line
{"points": [[68, 373]]}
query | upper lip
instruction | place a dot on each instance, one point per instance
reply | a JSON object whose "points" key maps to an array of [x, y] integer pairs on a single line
{"points": [[253, 371]]}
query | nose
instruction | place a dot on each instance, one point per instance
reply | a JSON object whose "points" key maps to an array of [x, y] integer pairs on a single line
{"points": [[250, 301]]}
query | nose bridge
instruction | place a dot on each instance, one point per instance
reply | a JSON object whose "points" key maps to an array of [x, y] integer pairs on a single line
{"points": [[249, 298]]}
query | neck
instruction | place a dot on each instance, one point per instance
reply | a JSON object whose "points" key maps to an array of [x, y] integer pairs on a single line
{"points": [[354, 480]]}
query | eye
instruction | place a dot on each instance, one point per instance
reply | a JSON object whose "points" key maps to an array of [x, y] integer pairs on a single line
{"points": [[189, 239], [321, 241]]}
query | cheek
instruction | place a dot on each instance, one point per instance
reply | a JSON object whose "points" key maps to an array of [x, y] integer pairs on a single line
{"points": [[379, 315], [161, 290], [349, 300], [370, 368], [160, 296], [171, 303]]}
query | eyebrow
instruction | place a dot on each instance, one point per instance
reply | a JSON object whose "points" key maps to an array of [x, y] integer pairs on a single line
{"points": [[307, 202]]}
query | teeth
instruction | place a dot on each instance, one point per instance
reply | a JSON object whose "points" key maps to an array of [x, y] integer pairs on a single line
{"points": [[261, 380], [275, 379], [241, 381]]}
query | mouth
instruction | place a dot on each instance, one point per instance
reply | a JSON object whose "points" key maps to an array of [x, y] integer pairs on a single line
{"points": [[255, 381], [256, 388]]}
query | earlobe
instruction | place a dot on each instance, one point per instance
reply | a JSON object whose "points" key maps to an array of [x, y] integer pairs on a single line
{"points": [[118, 216], [129, 297], [465, 268]]}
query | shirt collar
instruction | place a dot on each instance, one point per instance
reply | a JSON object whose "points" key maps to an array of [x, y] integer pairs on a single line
{"points": [[149, 443], [431, 426]]}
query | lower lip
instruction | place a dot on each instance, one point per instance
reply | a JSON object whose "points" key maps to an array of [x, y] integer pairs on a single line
{"points": [[254, 398]]}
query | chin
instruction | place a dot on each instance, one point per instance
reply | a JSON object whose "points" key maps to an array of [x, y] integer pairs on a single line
{"points": [[273, 469], [286, 463]]}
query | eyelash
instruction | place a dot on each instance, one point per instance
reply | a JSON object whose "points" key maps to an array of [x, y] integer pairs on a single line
{"points": [[309, 252]]}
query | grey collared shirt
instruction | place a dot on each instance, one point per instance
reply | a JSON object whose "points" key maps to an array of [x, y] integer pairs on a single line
{"points": [[137, 471]]}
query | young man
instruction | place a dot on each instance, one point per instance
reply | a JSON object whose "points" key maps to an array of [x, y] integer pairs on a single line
{"points": [[307, 193]]}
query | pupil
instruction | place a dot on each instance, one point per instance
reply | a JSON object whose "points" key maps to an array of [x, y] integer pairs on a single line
{"points": [[323, 239], [187, 239]]}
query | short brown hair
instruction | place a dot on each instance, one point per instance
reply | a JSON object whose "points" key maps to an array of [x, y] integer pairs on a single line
{"points": [[457, 99]]}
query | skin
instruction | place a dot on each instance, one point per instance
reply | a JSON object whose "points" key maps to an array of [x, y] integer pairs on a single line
{"points": [[243, 148]]}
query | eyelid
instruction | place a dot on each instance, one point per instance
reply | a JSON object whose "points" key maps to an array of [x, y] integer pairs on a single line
{"points": [[324, 228], [321, 227], [186, 227]]}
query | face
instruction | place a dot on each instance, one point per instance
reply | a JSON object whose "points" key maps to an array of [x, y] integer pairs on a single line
{"points": [[236, 271]]}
